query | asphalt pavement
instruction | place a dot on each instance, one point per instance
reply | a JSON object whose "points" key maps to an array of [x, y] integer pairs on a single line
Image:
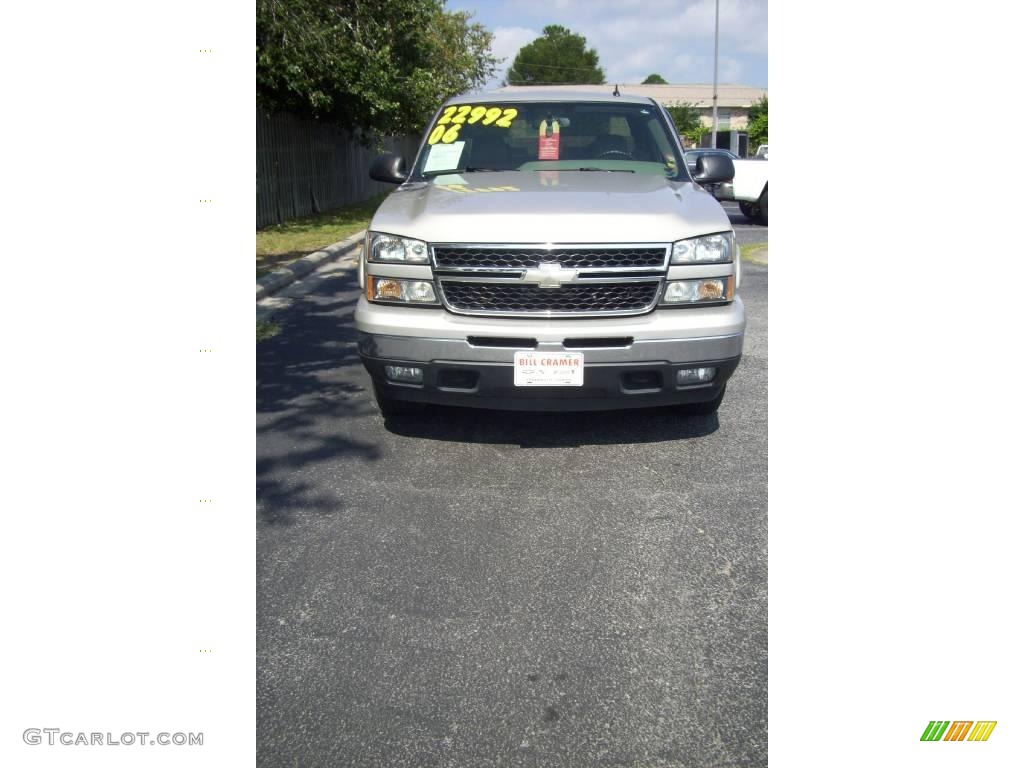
{"points": [[746, 230], [480, 588]]}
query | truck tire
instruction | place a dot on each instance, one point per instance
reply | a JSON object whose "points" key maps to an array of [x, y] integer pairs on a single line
{"points": [[389, 406], [704, 409], [762, 206], [749, 210]]}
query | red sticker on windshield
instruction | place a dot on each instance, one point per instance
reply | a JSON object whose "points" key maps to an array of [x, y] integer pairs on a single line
{"points": [[547, 142]]}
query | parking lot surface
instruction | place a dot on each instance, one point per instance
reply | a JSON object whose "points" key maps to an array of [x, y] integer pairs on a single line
{"points": [[480, 588], [746, 230]]}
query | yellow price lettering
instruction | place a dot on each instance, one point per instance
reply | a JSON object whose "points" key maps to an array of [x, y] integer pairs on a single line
{"points": [[447, 116], [506, 118], [451, 134], [491, 115], [455, 117]]}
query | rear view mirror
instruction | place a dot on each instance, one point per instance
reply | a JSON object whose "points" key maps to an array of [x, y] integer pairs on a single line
{"points": [[714, 169], [389, 169]]}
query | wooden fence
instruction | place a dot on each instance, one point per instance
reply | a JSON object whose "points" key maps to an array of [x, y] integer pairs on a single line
{"points": [[304, 167]]}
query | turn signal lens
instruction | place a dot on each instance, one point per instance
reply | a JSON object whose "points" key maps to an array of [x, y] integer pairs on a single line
{"points": [[710, 290], [388, 289]]}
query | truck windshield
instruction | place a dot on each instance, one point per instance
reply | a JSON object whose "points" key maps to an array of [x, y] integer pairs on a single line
{"points": [[542, 136]]}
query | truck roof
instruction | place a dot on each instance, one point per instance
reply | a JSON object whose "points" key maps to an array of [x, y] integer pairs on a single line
{"points": [[544, 93]]}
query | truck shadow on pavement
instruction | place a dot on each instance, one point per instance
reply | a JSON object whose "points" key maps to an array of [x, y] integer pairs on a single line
{"points": [[309, 380], [552, 429], [315, 413], [317, 341]]}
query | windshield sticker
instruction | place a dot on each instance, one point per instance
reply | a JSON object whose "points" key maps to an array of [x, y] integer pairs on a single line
{"points": [[547, 142], [444, 157], [446, 129]]}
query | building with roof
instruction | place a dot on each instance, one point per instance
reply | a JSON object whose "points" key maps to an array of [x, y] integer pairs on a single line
{"points": [[734, 101]]}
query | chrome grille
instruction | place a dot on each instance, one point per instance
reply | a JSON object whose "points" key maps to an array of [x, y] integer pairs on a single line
{"points": [[550, 280], [455, 257], [572, 299]]}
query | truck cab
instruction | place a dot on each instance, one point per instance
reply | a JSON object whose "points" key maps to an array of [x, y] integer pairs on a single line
{"points": [[550, 250]]}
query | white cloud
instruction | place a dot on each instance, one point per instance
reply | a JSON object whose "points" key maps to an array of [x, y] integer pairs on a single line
{"points": [[729, 70], [508, 41], [675, 39]]}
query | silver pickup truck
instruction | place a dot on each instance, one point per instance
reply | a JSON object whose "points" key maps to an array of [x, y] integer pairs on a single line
{"points": [[550, 251]]}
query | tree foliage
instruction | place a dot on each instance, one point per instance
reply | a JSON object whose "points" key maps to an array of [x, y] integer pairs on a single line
{"points": [[758, 108], [757, 122], [559, 56], [655, 79], [696, 134], [685, 116], [379, 66]]}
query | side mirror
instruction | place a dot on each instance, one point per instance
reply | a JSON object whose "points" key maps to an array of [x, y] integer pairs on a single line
{"points": [[389, 169], [714, 169]]}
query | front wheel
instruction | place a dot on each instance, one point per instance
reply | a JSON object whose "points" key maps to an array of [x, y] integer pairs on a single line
{"points": [[749, 210], [762, 205]]}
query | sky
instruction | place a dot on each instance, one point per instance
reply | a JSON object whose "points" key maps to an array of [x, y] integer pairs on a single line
{"points": [[633, 38]]}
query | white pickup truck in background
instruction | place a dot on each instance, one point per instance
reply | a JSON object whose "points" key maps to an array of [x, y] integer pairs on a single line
{"points": [[749, 188]]}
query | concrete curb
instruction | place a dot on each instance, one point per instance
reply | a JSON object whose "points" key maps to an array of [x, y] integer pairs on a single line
{"points": [[272, 283], [759, 256]]}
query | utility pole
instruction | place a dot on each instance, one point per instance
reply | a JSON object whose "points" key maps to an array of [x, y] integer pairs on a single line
{"points": [[714, 89]]}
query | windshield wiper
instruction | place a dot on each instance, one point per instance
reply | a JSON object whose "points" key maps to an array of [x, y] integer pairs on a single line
{"points": [[469, 169]]}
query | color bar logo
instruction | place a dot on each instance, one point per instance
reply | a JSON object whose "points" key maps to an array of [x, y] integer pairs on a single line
{"points": [[958, 730]]}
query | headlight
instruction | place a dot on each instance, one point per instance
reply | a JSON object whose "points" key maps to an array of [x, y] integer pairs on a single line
{"points": [[707, 249], [392, 249], [705, 290], [400, 291]]}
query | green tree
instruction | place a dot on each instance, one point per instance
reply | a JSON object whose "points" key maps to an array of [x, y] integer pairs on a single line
{"points": [[757, 122], [560, 56], [695, 134], [685, 116], [378, 67], [758, 108], [655, 79]]}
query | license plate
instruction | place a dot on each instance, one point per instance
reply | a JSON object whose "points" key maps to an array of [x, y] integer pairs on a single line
{"points": [[549, 369]]}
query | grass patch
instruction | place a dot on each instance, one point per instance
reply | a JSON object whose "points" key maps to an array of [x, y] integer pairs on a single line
{"points": [[265, 329], [755, 253], [284, 243]]}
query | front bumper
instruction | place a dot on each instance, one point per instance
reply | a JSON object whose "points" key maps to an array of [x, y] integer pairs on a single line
{"points": [[606, 386], [629, 362]]}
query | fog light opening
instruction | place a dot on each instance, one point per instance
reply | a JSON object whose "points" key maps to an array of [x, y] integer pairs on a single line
{"points": [[688, 376], [404, 373]]}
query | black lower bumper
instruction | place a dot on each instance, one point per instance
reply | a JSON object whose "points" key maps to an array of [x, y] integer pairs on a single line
{"points": [[606, 386]]}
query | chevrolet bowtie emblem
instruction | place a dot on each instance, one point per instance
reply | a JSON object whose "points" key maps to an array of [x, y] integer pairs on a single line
{"points": [[549, 274]]}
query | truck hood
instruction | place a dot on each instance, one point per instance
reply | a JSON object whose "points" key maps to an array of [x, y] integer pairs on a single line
{"points": [[550, 206]]}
